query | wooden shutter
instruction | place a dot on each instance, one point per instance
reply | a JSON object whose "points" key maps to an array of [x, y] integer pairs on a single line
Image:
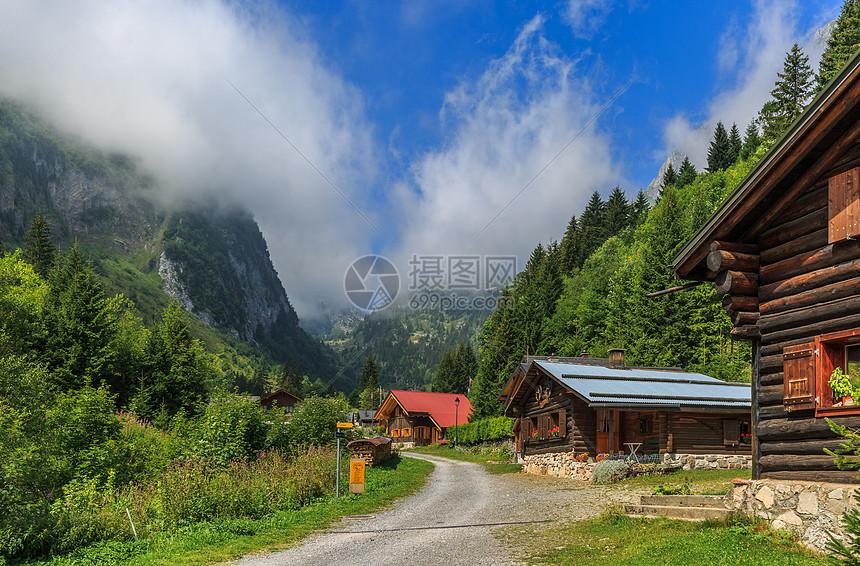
{"points": [[731, 432], [562, 423], [843, 206], [798, 367]]}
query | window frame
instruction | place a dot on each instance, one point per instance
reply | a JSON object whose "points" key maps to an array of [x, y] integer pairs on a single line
{"points": [[829, 354]]}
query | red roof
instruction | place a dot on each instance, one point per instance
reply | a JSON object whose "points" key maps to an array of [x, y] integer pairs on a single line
{"points": [[440, 406]]}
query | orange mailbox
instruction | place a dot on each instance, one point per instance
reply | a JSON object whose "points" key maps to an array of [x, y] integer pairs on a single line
{"points": [[356, 476]]}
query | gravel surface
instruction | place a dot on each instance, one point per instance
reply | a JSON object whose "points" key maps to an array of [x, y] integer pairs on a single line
{"points": [[446, 523]]}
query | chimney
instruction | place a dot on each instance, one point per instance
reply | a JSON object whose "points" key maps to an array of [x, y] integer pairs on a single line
{"points": [[616, 356], [583, 355]]}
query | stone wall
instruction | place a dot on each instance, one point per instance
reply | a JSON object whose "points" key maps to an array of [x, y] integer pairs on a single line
{"points": [[810, 509], [709, 461], [560, 465]]}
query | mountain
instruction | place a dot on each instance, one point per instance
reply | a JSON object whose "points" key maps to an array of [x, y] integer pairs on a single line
{"points": [[208, 255]]}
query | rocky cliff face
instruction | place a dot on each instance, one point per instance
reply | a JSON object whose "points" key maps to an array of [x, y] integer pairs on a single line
{"points": [[211, 258]]}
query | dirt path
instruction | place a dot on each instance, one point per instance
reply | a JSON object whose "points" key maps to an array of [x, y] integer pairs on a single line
{"points": [[455, 519]]}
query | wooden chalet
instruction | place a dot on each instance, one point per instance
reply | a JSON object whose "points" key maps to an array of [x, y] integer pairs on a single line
{"points": [[421, 417], [282, 399], [783, 250], [595, 406]]}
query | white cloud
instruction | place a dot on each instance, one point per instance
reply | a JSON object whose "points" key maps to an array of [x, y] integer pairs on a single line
{"points": [[754, 59], [148, 78], [502, 129], [586, 16]]}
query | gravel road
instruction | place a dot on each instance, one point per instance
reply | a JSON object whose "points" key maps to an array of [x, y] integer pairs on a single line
{"points": [[441, 524]]}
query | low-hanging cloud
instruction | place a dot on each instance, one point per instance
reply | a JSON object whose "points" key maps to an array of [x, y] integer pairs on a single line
{"points": [[151, 79], [502, 129], [754, 58]]}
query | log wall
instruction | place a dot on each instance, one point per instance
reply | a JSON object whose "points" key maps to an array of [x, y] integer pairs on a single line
{"points": [[806, 287]]}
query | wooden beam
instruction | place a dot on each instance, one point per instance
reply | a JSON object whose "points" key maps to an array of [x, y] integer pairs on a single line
{"points": [[813, 260], [791, 428], [811, 280], [720, 260], [830, 476], [811, 314], [751, 249], [749, 333], [737, 283], [838, 290], [743, 318], [795, 462], [689, 285], [740, 303], [789, 231], [811, 241]]}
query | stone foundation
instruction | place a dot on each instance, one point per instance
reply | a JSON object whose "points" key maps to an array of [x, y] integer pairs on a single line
{"points": [[709, 461], [559, 464], [810, 509]]}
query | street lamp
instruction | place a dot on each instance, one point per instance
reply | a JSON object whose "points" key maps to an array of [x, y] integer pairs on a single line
{"points": [[456, 419]]}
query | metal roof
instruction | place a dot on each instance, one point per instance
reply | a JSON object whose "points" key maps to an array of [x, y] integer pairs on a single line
{"points": [[625, 386]]}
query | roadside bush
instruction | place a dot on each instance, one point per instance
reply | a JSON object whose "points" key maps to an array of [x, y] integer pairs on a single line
{"points": [[609, 471], [485, 430], [314, 422], [230, 428]]}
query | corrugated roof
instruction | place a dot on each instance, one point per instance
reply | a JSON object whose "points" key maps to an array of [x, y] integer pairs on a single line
{"points": [[440, 406], [605, 386]]}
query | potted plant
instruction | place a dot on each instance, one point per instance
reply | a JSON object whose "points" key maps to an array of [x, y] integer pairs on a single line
{"points": [[840, 383]]}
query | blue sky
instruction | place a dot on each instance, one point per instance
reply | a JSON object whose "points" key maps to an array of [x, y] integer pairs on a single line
{"points": [[428, 117]]}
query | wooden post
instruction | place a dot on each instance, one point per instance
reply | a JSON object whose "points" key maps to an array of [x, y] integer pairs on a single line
{"points": [[737, 283]]}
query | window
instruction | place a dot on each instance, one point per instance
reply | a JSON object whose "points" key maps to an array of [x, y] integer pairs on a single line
{"points": [[745, 432], [843, 206], [646, 425], [404, 432], [807, 369], [395, 433], [602, 420]]}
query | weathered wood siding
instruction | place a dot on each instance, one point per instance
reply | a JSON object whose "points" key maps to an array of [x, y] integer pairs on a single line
{"points": [[558, 408], [807, 287], [706, 433]]}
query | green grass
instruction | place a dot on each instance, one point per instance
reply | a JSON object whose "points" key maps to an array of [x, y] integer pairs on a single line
{"points": [[702, 482], [208, 543], [492, 461], [615, 540]]}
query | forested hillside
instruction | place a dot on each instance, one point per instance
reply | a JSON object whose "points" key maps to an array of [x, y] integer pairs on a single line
{"points": [[589, 292]]}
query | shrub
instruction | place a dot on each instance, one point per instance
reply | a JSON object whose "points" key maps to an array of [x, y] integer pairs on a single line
{"points": [[314, 422], [609, 471], [484, 430], [231, 428]]}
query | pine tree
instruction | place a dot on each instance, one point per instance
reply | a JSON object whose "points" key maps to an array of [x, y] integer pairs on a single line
{"points": [[446, 374], [291, 377], [735, 142], [369, 385], [670, 177], [639, 209], [686, 174], [841, 45], [616, 212], [467, 367], [751, 141], [719, 152], [39, 250], [177, 369], [569, 245], [592, 230], [790, 94]]}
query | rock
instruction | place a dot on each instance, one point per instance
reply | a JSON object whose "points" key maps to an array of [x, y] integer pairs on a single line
{"points": [[807, 503], [835, 494], [765, 495], [789, 518]]}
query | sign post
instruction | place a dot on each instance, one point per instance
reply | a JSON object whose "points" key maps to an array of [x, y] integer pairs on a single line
{"points": [[339, 434]]}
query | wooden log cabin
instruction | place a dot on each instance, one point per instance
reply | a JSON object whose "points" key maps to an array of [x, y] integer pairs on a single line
{"points": [[596, 405], [282, 399], [783, 251], [418, 418]]}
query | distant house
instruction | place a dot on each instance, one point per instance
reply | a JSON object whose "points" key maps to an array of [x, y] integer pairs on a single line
{"points": [[364, 417], [418, 418], [784, 251], [282, 399], [592, 405]]}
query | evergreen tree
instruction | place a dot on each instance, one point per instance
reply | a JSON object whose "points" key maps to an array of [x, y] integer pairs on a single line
{"points": [[291, 377], [751, 141], [80, 327], [686, 174], [841, 45], [670, 177], [790, 94], [616, 212], [369, 385], [177, 369], [446, 374], [39, 250], [592, 230], [735, 143], [569, 246], [720, 150], [639, 209], [467, 367]]}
